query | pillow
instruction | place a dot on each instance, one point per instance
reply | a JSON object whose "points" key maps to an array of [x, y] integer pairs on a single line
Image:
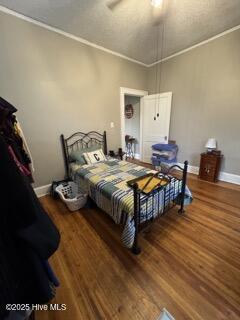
{"points": [[94, 156], [77, 155]]}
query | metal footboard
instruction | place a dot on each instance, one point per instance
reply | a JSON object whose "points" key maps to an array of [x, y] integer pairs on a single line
{"points": [[159, 201]]}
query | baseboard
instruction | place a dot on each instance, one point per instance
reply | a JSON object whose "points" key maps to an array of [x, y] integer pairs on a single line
{"points": [[191, 169], [136, 156], [229, 177], [223, 176], [42, 191]]}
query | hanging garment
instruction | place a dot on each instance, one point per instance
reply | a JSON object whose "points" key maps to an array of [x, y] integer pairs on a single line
{"points": [[12, 133], [4, 104], [28, 237], [21, 167], [25, 145], [16, 143], [6, 116], [19, 315]]}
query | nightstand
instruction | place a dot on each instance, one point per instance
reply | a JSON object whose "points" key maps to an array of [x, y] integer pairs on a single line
{"points": [[210, 166]]}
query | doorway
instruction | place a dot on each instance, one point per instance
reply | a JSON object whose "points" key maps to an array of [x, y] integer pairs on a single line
{"points": [[132, 126], [151, 121], [131, 122]]}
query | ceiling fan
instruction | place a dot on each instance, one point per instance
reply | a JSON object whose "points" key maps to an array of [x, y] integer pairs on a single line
{"points": [[157, 14]]}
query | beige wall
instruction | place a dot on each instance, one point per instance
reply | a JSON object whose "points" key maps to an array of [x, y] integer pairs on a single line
{"points": [[206, 99], [60, 86]]}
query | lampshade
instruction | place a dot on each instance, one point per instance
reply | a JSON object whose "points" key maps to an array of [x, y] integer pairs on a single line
{"points": [[156, 3], [211, 143]]}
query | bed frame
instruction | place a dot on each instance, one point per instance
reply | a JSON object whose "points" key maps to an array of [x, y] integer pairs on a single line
{"points": [[80, 140]]}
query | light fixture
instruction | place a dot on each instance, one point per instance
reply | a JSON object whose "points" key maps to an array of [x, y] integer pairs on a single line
{"points": [[156, 3], [211, 144]]}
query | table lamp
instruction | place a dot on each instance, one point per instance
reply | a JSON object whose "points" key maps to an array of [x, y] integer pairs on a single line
{"points": [[211, 145]]}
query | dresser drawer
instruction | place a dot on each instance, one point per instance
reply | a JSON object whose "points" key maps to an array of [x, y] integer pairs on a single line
{"points": [[209, 159]]}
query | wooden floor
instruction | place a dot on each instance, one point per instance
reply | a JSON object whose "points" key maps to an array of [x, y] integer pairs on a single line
{"points": [[189, 264]]}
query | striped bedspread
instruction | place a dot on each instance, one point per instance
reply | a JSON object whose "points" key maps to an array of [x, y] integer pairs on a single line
{"points": [[106, 184]]}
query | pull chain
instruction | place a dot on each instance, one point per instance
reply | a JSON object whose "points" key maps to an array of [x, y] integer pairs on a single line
{"points": [[156, 78], [160, 62]]}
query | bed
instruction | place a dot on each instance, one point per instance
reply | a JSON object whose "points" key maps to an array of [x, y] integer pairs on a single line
{"points": [[111, 185]]}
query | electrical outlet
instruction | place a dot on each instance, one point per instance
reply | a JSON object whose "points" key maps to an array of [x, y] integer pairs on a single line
{"points": [[112, 124]]}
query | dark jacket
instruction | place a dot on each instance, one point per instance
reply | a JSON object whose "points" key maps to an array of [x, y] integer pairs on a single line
{"points": [[27, 238]]}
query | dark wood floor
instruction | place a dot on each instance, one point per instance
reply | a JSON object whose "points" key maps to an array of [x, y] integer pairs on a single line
{"points": [[189, 264]]}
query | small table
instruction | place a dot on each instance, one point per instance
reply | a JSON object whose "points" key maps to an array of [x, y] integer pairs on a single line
{"points": [[210, 166], [129, 147]]}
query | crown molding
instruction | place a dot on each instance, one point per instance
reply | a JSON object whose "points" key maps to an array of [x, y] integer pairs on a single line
{"points": [[68, 35], [91, 44], [195, 46]]}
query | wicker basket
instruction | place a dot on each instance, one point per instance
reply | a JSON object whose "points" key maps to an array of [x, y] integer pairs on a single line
{"points": [[71, 195]]}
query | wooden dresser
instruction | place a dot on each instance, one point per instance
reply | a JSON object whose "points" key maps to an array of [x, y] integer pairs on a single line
{"points": [[210, 166]]}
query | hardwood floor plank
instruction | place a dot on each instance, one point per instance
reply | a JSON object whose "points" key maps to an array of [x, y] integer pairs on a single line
{"points": [[217, 273], [216, 243], [189, 264], [224, 216]]}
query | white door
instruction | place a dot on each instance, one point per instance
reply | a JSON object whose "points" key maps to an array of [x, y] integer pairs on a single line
{"points": [[155, 122]]}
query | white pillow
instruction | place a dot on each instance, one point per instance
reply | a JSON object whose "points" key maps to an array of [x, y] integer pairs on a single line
{"points": [[94, 156]]}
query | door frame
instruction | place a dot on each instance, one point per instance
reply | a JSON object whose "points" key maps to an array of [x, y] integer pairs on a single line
{"points": [[135, 93]]}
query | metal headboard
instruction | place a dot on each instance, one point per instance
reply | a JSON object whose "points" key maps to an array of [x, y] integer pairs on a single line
{"points": [[79, 141]]}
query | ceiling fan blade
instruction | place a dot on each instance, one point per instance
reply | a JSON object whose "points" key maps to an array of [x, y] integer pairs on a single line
{"points": [[112, 4]]}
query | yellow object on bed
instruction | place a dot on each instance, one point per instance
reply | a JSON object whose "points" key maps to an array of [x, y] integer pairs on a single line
{"points": [[149, 182]]}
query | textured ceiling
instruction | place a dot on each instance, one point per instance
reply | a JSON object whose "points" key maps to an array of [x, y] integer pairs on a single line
{"points": [[128, 28]]}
